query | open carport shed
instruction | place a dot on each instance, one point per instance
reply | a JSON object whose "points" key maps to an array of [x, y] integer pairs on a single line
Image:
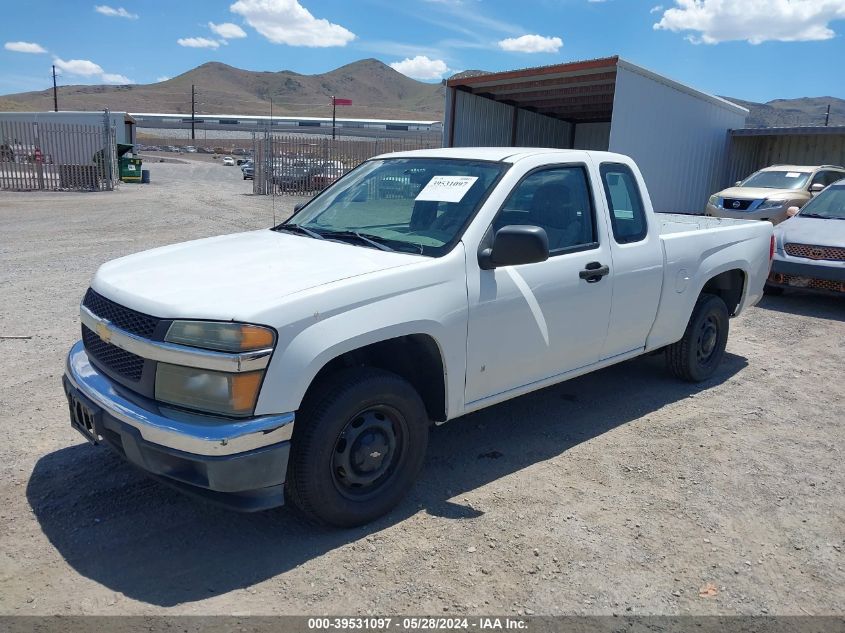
{"points": [[677, 135], [755, 148]]}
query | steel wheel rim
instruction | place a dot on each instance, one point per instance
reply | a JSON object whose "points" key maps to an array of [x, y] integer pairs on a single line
{"points": [[368, 451], [707, 340]]}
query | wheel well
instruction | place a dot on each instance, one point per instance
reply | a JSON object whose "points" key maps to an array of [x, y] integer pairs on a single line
{"points": [[415, 357], [728, 285]]}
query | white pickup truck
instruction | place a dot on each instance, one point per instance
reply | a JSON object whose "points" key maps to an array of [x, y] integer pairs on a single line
{"points": [[308, 360]]}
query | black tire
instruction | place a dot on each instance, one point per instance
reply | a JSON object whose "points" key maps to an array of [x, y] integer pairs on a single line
{"points": [[772, 290], [697, 355], [332, 476]]}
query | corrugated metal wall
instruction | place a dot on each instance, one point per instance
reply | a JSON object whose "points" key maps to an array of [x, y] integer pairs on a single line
{"points": [[482, 122], [536, 130], [592, 136], [750, 153], [680, 141]]}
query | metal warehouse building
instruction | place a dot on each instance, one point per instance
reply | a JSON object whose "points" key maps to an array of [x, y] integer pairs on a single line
{"points": [[679, 136]]}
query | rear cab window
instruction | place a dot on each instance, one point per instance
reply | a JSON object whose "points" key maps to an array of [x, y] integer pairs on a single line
{"points": [[625, 204]]}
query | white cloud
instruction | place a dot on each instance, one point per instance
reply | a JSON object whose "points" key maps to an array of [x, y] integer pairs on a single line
{"points": [[288, 22], [114, 78], [227, 30], [87, 68], [82, 67], [421, 67], [531, 44], [162, 78], [656, 9], [24, 47], [120, 12], [197, 42], [755, 21]]}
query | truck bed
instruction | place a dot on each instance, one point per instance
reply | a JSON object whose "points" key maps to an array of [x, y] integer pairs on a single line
{"points": [[695, 249], [681, 223]]}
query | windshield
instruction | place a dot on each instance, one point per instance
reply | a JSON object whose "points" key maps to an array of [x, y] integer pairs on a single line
{"points": [[418, 205], [777, 179], [830, 203]]}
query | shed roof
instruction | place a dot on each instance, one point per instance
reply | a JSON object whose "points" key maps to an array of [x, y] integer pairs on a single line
{"points": [[579, 91]]}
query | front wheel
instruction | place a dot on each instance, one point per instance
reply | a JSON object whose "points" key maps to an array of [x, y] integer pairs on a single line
{"points": [[358, 445], [697, 355]]}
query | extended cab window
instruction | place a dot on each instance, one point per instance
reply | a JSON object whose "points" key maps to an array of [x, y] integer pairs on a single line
{"points": [[627, 215], [558, 200]]}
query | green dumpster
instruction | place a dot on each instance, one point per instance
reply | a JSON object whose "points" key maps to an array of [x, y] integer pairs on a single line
{"points": [[130, 169]]}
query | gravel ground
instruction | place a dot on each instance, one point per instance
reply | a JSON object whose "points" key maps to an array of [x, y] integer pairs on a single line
{"points": [[623, 491]]}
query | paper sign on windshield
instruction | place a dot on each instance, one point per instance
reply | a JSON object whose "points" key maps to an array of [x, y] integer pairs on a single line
{"points": [[447, 188], [793, 174]]}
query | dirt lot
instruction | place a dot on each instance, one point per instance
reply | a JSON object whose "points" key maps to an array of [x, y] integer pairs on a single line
{"points": [[619, 492]]}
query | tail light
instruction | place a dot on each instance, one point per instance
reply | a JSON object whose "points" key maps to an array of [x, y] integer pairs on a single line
{"points": [[772, 248]]}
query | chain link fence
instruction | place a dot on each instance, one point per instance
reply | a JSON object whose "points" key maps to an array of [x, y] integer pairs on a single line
{"points": [[303, 166]]}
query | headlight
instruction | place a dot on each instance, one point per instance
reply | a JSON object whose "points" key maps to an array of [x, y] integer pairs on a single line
{"points": [[715, 201], [223, 337], [770, 204], [212, 391]]}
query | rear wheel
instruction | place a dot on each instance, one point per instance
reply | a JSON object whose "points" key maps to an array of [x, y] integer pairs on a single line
{"points": [[358, 445], [697, 355]]}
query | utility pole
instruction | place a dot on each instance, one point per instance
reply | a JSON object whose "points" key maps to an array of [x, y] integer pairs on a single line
{"points": [[334, 109], [193, 114], [56, 94], [827, 116]]}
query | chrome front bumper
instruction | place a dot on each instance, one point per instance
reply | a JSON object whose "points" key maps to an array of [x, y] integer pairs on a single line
{"points": [[171, 428]]}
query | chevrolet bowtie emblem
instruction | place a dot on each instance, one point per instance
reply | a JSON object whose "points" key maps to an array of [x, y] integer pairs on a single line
{"points": [[104, 332]]}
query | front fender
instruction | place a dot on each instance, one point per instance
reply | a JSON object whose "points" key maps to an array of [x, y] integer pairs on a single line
{"points": [[436, 307]]}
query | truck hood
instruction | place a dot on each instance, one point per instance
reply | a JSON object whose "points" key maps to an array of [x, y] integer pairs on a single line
{"points": [[757, 193], [232, 277], [813, 231]]}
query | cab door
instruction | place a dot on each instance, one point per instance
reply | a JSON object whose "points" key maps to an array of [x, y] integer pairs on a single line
{"points": [[531, 322]]}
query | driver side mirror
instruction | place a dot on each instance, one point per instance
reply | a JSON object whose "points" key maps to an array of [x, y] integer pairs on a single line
{"points": [[737, 183], [816, 187], [514, 245], [298, 207], [792, 211]]}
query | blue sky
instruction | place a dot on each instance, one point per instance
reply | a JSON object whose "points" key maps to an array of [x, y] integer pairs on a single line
{"points": [[751, 49]]}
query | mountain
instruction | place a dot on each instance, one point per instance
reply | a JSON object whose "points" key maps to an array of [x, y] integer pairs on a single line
{"points": [[793, 112], [376, 90]]}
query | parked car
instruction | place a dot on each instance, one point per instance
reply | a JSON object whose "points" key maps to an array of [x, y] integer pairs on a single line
{"points": [[768, 193], [241, 161], [298, 176], [190, 149], [810, 246], [228, 161], [248, 170], [361, 320]]}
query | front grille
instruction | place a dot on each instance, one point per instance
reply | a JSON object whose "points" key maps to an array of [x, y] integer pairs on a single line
{"points": [[121, 362], [137, 323], [741, 205], [833, 253], [796, 281]]}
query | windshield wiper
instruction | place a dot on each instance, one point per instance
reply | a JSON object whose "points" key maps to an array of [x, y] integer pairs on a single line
{"points": [[298, 228], [367, 239]]}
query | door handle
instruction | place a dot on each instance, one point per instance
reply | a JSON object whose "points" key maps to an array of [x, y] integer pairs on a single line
{"points": [[593, 272]]}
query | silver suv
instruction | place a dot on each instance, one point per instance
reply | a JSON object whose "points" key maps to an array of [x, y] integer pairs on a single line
{"points": [[768, 193]]}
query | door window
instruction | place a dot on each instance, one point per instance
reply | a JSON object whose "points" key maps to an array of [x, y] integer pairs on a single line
{"points": [[558, 200], [627, 215]]}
